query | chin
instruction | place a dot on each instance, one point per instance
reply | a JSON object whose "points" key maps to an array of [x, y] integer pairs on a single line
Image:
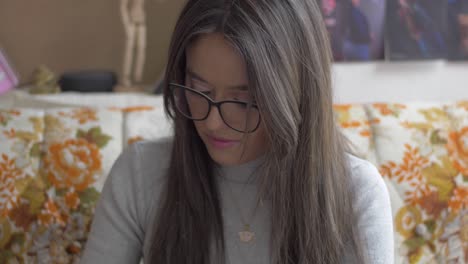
{"points": [[223, 157]]}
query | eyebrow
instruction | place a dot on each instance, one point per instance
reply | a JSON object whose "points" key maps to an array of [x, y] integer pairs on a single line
{"points": [[199, 78]]}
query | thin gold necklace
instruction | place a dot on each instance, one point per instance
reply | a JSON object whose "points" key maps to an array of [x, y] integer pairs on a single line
{"points": [[246, 235]]}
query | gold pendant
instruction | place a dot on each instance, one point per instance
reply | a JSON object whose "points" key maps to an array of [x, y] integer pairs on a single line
{"points": [[246, 235]]}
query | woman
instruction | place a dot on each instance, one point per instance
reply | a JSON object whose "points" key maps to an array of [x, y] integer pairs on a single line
{"points": [[257, 171]]}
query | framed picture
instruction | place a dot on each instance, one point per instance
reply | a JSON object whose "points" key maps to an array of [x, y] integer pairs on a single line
{"points": [[8, 78], [458, 29], [355, 28], [416, 29]]}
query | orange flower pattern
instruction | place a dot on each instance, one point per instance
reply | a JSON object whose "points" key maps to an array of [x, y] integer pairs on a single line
{"points": [[388, 109], [62, 198], [75, 163], [457, 147], [342, 107], [72, 200], [8, 192], [134, 140], [356, 126], [346, 121], [51, 214], [10, 133], [409, 171], [132, 109], [463, 104], [459, 200], [49, 162], [419, 160], [82, 115], [7, 115]]}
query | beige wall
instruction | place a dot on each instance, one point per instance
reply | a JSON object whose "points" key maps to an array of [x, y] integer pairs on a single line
{"points": [[80, 34]]}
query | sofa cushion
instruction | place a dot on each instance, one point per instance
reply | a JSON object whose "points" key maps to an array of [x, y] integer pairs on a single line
{"points": [[22, 99], [146, 123], [51, 219], [355, 125], [417, 157], [21, 136]]}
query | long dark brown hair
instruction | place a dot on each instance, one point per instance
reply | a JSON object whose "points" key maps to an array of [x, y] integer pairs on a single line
{"points": [[305, 176]]}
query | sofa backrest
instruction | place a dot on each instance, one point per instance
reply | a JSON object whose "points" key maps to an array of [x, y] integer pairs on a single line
{"points": [[54, 161]]}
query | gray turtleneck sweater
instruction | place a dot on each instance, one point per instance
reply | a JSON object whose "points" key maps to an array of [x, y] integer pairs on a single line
{"points": [[125, 213]]}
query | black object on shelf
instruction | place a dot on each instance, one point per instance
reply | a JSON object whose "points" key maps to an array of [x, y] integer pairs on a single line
{"points": [[88, 81]]}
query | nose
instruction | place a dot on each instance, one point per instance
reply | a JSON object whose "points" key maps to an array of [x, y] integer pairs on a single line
{"points": [[214, 121]]}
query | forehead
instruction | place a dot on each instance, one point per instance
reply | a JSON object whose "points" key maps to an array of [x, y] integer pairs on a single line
{"points": [[214, 59]]}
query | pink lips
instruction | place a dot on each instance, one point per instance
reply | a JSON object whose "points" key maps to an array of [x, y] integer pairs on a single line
{"points": [[221, 143]]}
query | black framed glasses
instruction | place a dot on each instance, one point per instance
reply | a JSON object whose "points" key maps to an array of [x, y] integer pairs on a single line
{"points": [[241, 116]]}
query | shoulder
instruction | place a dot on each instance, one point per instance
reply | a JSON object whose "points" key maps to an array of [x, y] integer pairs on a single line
{"points": [[147, 156], [371, 195], [372, 205], [365, 176], [141, 169], [143, 162], [150, 161], [121, 217], [151, 156]]}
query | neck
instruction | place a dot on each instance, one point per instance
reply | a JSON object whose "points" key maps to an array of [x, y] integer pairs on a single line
{"points": [[243, 173]]}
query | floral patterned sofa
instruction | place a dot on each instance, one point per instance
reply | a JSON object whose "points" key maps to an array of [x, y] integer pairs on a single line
{"points": [[54, 159]]}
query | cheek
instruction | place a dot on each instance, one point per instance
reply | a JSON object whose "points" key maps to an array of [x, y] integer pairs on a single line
{"points": [[257, 142], [198, 125]]}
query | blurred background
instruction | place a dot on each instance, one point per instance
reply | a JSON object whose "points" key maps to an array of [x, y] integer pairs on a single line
{"points": [[380, 46], [67, 35]]}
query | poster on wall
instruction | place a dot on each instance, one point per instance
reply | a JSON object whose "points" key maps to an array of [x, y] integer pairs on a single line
{"points": [[457, 29], [355, 28], [416, 29]]}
